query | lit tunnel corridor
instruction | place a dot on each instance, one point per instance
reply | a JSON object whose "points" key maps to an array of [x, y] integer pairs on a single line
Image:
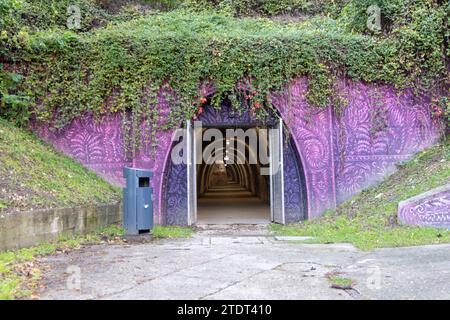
{"points": [[232, 190]]}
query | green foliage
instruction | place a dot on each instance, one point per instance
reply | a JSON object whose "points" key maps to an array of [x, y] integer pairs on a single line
{"points": [[421, 32], [122, 67], [8, 16], [19, 18], [12, 105], [162, 5], [369, 220], [445, 106], [74, 73], [41, 14], [269, 7]]}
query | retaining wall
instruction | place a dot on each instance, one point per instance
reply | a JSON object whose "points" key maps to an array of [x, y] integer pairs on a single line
{"points": [[30, 228]]}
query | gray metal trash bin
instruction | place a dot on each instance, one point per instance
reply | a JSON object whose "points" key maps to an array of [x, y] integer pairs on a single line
{"points": [[137, 201]]}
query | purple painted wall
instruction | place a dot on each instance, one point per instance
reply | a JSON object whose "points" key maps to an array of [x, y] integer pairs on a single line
{"points": [[430, 209], [341, 153]]}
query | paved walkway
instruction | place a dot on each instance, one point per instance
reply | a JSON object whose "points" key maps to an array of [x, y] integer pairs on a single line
{"points": [[248, 210], [231, 204], [246, 263]]}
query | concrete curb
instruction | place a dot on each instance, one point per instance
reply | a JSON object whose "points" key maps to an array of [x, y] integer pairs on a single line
{"points": [[30, 228]]}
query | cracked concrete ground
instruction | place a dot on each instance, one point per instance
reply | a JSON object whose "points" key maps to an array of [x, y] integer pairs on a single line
{"points": [[246, 263]]}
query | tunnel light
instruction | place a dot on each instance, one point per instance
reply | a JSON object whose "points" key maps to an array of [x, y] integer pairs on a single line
{"points": [[226, 158]]}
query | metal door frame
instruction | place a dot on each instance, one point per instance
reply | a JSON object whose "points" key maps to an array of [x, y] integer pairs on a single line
{"points": [[191, 163], [276, 141]]}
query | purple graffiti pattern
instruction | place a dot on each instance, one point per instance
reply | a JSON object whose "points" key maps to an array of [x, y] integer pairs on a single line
{"points": [[176, 201], [376, 130], [294, 186], [431, 209], [341, 153], [311, 131]]}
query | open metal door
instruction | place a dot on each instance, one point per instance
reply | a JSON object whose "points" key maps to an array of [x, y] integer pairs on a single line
{"points": [[276, 173], [191, 173]]}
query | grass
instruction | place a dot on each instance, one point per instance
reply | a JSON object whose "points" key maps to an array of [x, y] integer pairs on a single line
{"points": [[172, 232], [33, 176], [20, 272], [339, 282], [369, 220]]}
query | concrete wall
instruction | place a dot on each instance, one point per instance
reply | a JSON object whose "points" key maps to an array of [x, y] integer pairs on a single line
{"points": [[430, 209], [29, 228]]}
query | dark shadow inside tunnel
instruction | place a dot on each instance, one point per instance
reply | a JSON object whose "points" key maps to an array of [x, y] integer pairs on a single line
{"points": [[231, 188]]}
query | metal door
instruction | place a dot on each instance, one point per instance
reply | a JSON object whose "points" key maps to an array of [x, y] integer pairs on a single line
{"points": [[191, 173], [276, 173]]}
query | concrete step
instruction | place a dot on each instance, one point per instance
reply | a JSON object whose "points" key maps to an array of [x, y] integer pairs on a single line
{"points": [[241, 194]]}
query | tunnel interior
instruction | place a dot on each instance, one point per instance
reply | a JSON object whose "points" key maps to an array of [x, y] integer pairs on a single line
{"points": [[230, 186]]}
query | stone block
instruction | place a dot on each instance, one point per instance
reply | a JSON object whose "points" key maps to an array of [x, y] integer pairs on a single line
{"points": [[431, 209]]}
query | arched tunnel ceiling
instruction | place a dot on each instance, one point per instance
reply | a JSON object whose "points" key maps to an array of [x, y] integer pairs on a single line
{"points": [[212, 173]]}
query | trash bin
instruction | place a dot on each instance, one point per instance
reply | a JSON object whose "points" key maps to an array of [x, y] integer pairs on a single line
{"points": [[137, 201]]}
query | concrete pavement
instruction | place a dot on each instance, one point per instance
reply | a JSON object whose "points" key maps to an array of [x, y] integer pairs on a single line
{"points": [[245, 263]]}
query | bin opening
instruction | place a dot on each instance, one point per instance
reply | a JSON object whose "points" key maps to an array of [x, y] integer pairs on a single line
{"points": [[144, 231], [144, 182]]}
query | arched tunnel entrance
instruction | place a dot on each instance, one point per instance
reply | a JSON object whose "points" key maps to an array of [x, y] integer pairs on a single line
{"points": [[252, 176], [233, 189]]}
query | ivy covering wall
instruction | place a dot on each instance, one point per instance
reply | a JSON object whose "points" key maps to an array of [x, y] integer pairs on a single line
{"points": [[271, 7], [119, 62]]}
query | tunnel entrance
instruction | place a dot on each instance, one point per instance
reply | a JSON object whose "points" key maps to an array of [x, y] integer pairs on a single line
{"points": [[232, 188], [249, 178]]}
